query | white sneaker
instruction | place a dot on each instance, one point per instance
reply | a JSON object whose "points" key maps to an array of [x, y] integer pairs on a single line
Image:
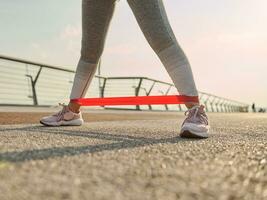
{"points": [[65, 117], [196, 124]]}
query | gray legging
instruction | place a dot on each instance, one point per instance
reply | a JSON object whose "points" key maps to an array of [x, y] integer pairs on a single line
{"points": [[152, 19]]}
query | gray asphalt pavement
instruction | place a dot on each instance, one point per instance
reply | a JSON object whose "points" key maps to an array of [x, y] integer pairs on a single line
{"points": [[135, 159]]}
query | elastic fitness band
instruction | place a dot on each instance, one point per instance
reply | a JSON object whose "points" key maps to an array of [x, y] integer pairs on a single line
{"points": [[140, 100]]}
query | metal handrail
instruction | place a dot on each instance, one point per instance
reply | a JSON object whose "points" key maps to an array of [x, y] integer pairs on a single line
{"points": [[212, 102], [20, 60]]}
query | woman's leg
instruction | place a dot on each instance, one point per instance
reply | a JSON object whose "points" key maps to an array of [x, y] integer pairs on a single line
{"points": [[153, 21], [96, 17]]}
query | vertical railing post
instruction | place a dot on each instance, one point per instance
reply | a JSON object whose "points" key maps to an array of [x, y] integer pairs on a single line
{"points": [[166, 93], [137, 90], [246, 108], [180, 108], [211, 103], [200, 97], [148, 93], [206, 103], [99, 73], [226, 106], [33, 84], [232, 108], [102, 88], [216, 105], [221, 105]]}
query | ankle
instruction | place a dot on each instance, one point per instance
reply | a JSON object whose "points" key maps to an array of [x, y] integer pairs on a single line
{"points": [[74, 107], [191, 105]]}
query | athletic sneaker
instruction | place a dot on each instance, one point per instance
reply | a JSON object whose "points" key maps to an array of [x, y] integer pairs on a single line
{"points": [[65, 117], [196, 124]]}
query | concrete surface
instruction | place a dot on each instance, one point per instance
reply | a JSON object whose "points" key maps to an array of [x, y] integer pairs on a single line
{"points": [[135, 159]]}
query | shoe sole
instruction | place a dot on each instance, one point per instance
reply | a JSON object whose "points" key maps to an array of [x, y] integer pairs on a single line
{"points": [[190, 130], [189, 134], [55, 125]]}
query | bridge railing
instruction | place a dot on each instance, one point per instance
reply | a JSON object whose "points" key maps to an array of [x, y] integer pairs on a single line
{"points": [[24, 82]]}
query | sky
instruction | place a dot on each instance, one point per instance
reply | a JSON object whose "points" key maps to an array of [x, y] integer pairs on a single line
{"points": [[225, 41]]}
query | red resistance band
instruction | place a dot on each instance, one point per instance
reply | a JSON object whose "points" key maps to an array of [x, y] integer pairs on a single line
{"points": [[139, 100]]}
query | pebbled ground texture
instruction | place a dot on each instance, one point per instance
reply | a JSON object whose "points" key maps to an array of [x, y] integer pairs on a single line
{"points": [[134, 159]]}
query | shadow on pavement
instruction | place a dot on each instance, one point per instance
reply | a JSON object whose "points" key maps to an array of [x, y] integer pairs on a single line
{"points": [[121, 142]]}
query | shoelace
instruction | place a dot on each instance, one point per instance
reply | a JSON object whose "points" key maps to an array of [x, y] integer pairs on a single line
{"points": [[60, 114], [197, 114]]}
